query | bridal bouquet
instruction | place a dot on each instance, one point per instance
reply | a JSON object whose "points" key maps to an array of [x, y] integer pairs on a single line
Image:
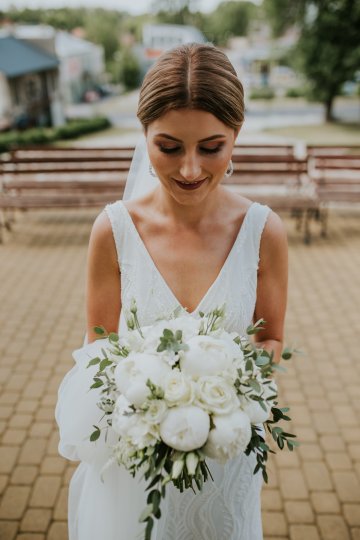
{"points": [[183, 390]]}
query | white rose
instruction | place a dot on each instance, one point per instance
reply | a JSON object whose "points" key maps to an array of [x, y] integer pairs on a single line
{"points": [[185, 428], [179, 389], [231, 435], [216, 395], [206, 356], [188, 325], [156, 411], [132, 373]]}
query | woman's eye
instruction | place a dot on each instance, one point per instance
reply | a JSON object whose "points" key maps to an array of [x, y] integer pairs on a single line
{"points": [[169, 149], [211, 150]]}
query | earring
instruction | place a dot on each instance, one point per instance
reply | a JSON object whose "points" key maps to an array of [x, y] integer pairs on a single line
{"points": [[230, 169], [151, 170]]}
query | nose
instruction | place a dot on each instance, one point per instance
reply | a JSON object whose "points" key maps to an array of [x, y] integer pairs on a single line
{"points": [[190, 168]]}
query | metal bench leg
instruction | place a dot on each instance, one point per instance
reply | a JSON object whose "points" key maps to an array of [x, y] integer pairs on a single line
{"points": [[324, 218], [2, 225], [307, 231], [297, 213]]}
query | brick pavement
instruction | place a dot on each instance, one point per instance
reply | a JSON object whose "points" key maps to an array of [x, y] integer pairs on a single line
{"points": [[312, 494]]}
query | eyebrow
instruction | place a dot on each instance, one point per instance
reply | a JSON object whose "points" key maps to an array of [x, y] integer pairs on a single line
{"points": [[201, 140]]}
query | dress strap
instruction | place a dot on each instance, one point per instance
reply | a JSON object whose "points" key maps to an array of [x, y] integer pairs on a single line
{"points": [[116, 214], [256, 223]]}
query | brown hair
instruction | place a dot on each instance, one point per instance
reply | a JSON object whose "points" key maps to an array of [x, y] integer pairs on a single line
{"points": [[193, 76]]}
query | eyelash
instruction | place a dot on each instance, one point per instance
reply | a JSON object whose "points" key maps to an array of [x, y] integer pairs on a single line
{"points": [[177, 148]]}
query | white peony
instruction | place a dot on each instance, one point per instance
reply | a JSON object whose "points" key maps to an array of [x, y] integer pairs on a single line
{"points": [[230, 437], [185, 428], [132, 373], [188, 325], [206, 356], [216, 395], [179, 389]]}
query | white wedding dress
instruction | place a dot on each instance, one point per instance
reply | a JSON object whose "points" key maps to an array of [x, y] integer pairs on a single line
{"points": [[226, 509]]}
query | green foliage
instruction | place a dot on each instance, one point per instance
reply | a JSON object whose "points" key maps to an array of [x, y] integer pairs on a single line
{"points": [[229, 19], [104, 27], [330, 48], [296, 92], [177, 12], [129, 73], [62, 18], [328, 52], [282, 14], [264, 92], [71, 130]]}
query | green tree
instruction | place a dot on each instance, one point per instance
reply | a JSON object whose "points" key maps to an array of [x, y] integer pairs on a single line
{"points": [[328, 51], [104, 27], [229, 19], [177, 11], [129, 72], [282, 14]]}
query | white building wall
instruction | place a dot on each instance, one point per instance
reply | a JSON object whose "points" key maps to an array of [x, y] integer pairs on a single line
{"points": [[5, 102]]}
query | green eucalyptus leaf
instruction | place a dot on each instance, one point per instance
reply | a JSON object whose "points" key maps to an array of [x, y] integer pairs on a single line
{"points": [[94, 362], [104, 364], [100, 330], [97, 383], [95, 434]]}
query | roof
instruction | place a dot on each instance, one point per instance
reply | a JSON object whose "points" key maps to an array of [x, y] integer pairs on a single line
{"points": [[18, 58]]}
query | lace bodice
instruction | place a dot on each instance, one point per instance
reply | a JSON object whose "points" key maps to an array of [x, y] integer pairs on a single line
{"points": [[235, 284]]}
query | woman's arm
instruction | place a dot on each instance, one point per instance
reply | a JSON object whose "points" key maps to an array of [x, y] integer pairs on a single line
{"points": [[272, 286], [103, 300]]}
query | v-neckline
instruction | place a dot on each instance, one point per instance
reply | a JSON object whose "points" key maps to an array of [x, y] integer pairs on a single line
{"points": [[167, 286]]}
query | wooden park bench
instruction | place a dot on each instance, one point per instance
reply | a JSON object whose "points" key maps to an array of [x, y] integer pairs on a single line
{"points": [[281, 182], [57, 177], [335, 170]]}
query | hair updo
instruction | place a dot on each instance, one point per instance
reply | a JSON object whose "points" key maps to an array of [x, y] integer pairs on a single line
{"points": [[192, 76]]}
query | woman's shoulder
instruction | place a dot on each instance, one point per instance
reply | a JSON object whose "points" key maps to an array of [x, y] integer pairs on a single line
{"points": [[102, 240]]}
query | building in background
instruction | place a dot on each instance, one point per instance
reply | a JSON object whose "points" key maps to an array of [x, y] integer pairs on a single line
{"points": [[81, 62], [158, 38], [29, 81], [259, 60]]}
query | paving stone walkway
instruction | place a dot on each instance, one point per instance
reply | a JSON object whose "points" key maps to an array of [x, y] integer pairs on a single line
{"points": [[312, 494]]}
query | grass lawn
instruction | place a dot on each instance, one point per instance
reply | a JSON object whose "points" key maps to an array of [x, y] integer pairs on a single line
{"points": [[327, 133], [110, 133]]}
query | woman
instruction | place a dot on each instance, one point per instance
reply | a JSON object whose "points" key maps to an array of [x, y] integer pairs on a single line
{"points": [[188, 243]]}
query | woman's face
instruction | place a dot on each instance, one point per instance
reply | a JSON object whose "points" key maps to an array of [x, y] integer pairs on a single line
{"points": [[190, 151]]}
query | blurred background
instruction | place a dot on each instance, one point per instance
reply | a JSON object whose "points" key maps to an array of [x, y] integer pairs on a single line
{"points": [[298, 61], [69, 86]]}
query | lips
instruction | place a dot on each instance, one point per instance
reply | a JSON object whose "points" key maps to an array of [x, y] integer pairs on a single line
{"points": [[190, 185]]}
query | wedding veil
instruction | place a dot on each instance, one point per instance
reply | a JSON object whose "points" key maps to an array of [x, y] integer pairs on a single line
{"points": [[139, 181]]}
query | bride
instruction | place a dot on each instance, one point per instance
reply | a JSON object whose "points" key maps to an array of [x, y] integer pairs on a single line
{"points": [[180, 240]]}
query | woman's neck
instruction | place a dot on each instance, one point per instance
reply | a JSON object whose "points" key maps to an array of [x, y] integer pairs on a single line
{"points": [[188, 215]]}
